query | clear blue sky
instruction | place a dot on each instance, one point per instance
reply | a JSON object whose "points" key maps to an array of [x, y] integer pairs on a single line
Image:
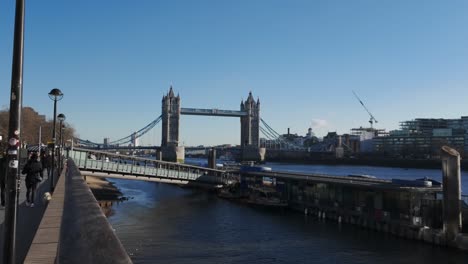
{"points": [[114, 60]]}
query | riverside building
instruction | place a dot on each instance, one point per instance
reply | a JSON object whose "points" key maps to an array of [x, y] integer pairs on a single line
{"points": [[423, 138]]}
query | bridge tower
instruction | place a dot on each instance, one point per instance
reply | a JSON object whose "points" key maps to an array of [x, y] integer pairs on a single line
{"points": [[250, 130], [134, 140], [170, 149]]}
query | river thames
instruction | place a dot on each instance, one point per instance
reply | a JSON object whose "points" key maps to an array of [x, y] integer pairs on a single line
{"points": [[163, 223]]}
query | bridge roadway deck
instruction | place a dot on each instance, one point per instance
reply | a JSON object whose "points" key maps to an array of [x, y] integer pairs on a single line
{"points": [[212, 112], [358, 182]]}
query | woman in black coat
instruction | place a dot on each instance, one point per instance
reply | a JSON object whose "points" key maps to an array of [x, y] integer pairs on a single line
{"points": [[33, 171]]}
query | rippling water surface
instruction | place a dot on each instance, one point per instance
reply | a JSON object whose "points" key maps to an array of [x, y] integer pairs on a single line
{"points": [[169, 224]]}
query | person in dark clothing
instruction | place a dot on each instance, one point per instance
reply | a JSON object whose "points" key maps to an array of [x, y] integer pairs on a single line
{"points": [[3, 171], [46, 161], [33, 171]]}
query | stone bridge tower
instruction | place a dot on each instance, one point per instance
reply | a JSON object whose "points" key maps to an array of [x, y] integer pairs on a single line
{"points": [[250, 130], [170, 149]]}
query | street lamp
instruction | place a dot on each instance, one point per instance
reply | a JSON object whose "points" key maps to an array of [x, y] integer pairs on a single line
{"points": [[61, 118], [55, 95], [14, 138]]}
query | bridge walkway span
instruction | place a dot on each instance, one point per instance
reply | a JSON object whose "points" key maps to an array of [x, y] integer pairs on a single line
{"points": [[104, 164]]}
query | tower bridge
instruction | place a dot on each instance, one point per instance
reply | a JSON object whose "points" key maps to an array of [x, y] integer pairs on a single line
{"points": [[251, 126], [249, 115]]}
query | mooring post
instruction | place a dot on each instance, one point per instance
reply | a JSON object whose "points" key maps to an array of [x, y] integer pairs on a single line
{"points": [[212, 159], [452, 192]]}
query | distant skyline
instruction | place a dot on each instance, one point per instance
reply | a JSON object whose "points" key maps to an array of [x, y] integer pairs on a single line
{"points": [[114, 60]]}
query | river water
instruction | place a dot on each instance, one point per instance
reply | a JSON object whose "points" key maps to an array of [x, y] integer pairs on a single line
{"points": [[163, 223]]}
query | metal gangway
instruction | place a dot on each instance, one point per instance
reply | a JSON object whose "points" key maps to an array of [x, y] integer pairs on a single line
{"points": [[109, 165]]}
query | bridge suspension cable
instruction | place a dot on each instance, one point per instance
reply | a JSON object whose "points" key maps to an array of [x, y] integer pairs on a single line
{"points": [[137, 134], [124, 140], [274, 136]]}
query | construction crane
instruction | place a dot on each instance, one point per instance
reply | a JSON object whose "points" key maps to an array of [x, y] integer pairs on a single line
{"points": [[372, 119]]}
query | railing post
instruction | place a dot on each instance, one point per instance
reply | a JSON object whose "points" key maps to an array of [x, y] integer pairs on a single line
{"points": [[452, 193], [74, 155], [118, 163], [156, 167], [86, 160]]}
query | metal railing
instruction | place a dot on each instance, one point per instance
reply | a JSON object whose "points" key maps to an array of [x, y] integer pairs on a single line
{"points": [[100, 161]]}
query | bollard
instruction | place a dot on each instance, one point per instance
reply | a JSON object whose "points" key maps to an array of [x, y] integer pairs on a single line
{"points": [[212, 159], [339, 219], [452, 193]]}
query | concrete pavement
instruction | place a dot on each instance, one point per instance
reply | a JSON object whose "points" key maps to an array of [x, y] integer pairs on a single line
{"points": [[28, 219]]}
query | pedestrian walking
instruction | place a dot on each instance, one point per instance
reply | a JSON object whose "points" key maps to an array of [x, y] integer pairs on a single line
{"points": [[33, 171], [46, 161]]}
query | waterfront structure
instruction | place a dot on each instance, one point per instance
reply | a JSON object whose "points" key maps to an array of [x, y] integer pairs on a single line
{"points": [[250, 127], [423, 138], [414, 209]]}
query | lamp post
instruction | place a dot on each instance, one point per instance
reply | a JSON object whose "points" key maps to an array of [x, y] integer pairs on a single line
{"points": [[55, 95], [61, 118], [14, 139]]}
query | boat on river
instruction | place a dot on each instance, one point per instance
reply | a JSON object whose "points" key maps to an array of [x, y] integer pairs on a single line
{"points": [[230, 194], [245, 168], [413, 183], [362, 176], [265, 197]]}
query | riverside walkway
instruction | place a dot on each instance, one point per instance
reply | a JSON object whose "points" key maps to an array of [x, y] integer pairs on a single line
{"points": [[73, 229], [28, 219]]}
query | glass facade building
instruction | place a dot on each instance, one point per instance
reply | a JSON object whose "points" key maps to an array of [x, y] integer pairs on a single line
{"points": [[423, 138]]}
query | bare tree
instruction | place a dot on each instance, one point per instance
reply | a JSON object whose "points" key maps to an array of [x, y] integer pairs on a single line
{"points": [[31, 121]]}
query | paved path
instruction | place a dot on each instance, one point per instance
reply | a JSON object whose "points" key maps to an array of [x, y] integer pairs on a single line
{"points": [[28, 220]]}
